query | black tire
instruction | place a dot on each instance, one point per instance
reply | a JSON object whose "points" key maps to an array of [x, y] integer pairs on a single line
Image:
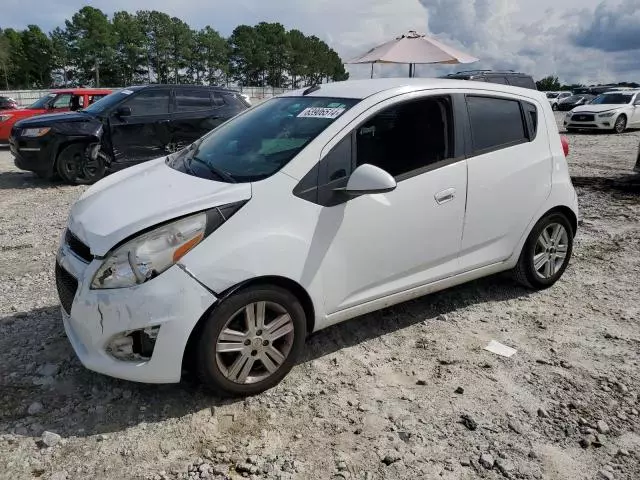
{"points": [[207, 366], [75, 167], [525, 272], [554, 107], [621, 124]]}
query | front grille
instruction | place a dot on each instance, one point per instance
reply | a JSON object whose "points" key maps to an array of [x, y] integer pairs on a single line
{"points": [[581, 117], [77, 247], [67, 286]]}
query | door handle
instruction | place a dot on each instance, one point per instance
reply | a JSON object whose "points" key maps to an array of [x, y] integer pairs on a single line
{"points": [[445, 196]]}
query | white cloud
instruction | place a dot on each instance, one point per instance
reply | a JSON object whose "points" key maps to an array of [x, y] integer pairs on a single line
{"points": [[540, 37]]}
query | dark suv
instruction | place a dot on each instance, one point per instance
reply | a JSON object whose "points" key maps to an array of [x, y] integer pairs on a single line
{"points": [[127, 127], [508, 77]]}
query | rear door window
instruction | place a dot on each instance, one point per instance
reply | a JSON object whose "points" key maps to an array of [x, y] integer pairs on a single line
{"points": [[495, 123], [192, 100]]}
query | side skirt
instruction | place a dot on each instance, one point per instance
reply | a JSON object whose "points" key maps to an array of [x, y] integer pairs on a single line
{"points": [[416, 292]]}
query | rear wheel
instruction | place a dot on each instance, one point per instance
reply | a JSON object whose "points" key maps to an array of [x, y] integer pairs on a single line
{"points": [[546, 253], [251, 341], [75, 166]]}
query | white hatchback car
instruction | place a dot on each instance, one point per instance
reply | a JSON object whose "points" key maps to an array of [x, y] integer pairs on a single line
{"points": [[614, 111], [305, 211]]}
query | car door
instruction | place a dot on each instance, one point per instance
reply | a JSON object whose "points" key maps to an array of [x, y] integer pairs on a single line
{"points": [[509, 168], [145, 133], [378, 245], [196, 113]]}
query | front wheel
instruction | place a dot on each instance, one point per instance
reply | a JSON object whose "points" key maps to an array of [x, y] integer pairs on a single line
{"points": [[554, 107], [546, 253], [251, 341], [76, 167], [620, 125]]}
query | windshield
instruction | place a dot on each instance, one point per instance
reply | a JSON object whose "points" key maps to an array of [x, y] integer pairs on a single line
{"points": [[105, 103], [258, 143], [42, 101], [552, 95], [612, 99]]}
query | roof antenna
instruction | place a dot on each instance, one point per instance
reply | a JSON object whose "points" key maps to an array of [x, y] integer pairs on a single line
{"points": [[311, 89]]}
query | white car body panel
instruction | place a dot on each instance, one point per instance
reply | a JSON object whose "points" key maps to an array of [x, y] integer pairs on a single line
{"points": [[370, 252], [129, 202]]}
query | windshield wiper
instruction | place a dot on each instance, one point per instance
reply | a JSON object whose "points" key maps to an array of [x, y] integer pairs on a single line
{"points": [[216, 171]]}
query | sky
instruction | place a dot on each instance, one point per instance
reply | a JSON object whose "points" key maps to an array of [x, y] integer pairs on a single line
{"points": [[585, 41]]}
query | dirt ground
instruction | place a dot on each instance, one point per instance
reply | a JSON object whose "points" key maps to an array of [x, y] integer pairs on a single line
{"points": [[373, 398]]}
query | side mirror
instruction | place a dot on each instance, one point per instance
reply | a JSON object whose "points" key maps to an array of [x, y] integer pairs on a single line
{"points": [[369, 179], [123, 112]]}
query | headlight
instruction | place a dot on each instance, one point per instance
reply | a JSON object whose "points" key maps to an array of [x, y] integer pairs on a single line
{"points": [[35, 132], [607, 115], [4, 118], [148, 255]]}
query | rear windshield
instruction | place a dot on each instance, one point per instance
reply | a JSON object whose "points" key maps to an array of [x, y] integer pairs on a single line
{"points": [[552, 95], [258, 143]]}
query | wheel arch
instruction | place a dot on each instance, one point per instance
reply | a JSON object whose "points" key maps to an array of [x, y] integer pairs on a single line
{"points": [[286, 283], [567, 212]]}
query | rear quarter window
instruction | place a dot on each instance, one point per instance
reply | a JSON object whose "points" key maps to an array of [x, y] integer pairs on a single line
{"points": [[495, 123]]}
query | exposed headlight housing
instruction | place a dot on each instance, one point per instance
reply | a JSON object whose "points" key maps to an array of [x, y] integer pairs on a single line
{"points": [[607, 115], [35, 132], [151, 253]]}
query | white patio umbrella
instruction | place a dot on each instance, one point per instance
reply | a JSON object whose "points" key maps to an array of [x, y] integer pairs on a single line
{"points": [[413, 48]]}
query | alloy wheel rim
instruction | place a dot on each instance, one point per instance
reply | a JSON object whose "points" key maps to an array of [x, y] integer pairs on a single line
{"points": [[254, 342], [620, 125], [551, 250]]}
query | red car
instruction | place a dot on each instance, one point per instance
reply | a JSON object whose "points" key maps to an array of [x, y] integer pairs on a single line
{"points": [[54, 102]]}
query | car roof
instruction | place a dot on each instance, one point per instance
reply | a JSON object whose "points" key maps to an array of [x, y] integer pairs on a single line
{"points": [[163, 85], [82, 90], [361, 89]]}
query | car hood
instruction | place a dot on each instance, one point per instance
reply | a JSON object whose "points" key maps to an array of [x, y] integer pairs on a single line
{"points": [[53, 118], [597, 108], [140, 197]]}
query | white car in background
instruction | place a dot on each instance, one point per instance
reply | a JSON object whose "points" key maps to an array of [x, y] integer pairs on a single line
{"points": [[555, 97], [307, 210], [615, 111]]}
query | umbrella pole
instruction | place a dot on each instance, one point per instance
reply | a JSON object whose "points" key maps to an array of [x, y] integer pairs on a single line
{"points": [[372, 69]]}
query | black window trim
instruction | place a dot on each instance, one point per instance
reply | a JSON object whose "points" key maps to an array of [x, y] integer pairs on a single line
{"points": [[472, 152]]}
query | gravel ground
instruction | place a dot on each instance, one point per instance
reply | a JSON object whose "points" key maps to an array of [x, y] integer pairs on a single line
{"points": [[404, 393]]}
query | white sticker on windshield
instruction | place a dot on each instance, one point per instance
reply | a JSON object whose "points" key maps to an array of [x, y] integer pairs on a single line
{"points": [[320, 112], [127, 92]]}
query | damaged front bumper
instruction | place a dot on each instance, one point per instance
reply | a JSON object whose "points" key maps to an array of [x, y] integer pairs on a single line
{"points": [[138, 333]]}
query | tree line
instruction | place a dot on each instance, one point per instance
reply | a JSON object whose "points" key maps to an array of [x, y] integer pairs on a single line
{"points": [[152, 47], [552, 84]]}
